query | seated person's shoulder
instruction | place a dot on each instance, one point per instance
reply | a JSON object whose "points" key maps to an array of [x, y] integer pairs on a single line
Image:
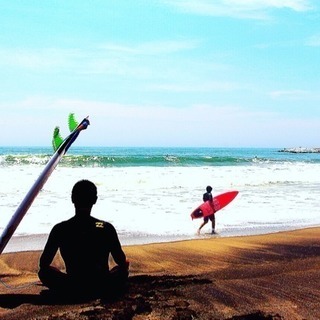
{"points": [[61, 225], [100, 224]]}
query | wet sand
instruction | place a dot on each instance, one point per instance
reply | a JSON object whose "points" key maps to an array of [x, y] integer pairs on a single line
{"points": [[275, 276]]}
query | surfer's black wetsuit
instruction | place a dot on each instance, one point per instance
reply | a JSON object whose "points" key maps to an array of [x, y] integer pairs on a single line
{"points": [[85, 244], [208, 197]]}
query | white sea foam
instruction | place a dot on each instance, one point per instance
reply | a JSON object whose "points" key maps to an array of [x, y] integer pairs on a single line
{"points": [[148, 204]]}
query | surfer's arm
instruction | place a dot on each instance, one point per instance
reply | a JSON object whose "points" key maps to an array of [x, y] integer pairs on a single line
{"points": [[119, 258], [117, 253], [49, 251]]}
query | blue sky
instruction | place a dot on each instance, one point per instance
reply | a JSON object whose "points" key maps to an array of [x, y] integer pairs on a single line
{"points": [[232, 73]]}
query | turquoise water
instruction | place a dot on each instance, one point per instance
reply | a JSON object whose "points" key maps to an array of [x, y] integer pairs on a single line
{"points": [[158, 157]]}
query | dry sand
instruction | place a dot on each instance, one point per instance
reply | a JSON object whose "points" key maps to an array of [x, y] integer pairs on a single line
{"points": [[274, 276]]}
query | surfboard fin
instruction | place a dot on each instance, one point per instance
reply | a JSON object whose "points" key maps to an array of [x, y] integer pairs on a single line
{"points": [[56, 139], [72, 122]]}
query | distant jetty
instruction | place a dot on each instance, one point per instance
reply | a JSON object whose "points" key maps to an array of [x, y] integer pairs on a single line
{"points": [[300, 150]]}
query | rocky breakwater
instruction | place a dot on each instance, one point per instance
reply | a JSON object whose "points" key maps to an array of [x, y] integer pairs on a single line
{"points": [[300, 150]]}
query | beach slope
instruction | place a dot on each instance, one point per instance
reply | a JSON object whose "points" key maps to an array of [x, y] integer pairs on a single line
{"points": [[275, 276]]}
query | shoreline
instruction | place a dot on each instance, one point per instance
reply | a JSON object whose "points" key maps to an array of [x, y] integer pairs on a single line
{"points": [[272, 276], [36, 242]]}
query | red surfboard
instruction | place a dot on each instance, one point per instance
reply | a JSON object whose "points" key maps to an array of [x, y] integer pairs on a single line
{"points": [[210, 207]]}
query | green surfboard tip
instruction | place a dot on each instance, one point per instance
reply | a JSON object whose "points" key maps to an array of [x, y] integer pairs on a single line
{"points": [[72, 122], [56, 139]]}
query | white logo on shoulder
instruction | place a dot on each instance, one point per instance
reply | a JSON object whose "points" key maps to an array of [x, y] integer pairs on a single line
{"points": [[99, 224]]}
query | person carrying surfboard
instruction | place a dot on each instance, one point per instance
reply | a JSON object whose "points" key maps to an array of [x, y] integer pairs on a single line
{"points": [[85, 244], [207, 196]]}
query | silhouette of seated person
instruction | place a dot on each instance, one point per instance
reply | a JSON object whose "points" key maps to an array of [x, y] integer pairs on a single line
{"points": [[85, 244]]}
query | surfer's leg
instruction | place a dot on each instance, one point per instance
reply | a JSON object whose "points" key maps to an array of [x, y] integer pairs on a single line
{"points": [[114, 284], [205, 221], [53, 278], [213, 223], [118, 276]]}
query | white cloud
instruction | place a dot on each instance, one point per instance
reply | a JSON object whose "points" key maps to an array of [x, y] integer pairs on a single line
{"points": [[196, 87], [243, 9], [289, 94], [152, 47], [313, 41], [108, 58], [295, 5], [45, 58], [155, 125], [136, 60]]}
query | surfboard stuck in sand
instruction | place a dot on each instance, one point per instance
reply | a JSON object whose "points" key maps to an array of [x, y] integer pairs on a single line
{"points": [[210, 207]]}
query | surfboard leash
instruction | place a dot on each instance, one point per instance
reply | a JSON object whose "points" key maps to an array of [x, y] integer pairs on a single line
{"points": [[20, 287]]}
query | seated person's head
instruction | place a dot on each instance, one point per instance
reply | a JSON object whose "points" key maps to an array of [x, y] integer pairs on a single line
{"points": [[84, 194]]}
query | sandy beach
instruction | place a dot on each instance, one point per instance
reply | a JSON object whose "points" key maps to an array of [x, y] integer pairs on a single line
{"points": [[275, 276]]}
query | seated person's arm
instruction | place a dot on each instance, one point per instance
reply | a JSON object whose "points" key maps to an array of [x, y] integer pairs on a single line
{"points": [[117, 253], [49, 251]]}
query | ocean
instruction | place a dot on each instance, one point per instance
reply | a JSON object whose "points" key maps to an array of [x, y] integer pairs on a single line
{"points": [[149, 193]]}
